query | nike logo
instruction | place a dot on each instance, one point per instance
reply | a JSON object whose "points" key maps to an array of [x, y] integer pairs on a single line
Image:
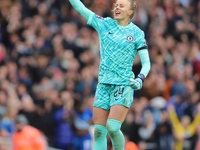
{"points": [[110, 33]]}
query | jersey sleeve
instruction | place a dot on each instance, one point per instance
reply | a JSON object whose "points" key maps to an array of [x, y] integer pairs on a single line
{"points": [[146, 65], [92, 19], [141, 43], [141, 47], [81, 9], [97, 22], [192, 127], [174, 120]]}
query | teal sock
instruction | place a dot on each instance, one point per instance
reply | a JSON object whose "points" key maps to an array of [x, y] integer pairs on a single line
{"points": [[100, 140], [116, 136]]}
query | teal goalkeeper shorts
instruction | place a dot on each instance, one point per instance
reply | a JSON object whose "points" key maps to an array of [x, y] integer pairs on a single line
{"points": [[108, 95]]}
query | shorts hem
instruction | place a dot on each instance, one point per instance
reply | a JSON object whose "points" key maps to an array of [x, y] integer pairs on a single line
{"points": [[121, 105], [101, 107]]}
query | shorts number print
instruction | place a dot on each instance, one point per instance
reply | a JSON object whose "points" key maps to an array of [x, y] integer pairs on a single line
{"points": [[108, 95]]}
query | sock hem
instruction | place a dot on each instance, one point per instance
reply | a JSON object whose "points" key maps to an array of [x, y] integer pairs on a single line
{"points": [[115, 121]]}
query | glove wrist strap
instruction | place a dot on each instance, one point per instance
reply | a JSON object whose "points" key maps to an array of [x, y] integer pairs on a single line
{"points": [[141, 76]]}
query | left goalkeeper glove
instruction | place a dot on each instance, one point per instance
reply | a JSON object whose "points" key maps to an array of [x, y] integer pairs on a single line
{"points": [[137, 83]]}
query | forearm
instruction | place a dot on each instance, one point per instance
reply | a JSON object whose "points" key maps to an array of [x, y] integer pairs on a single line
{"points": [[144, 57], [174, 119], [81, 9], [145, 133], [192, 127], [136, 84]]}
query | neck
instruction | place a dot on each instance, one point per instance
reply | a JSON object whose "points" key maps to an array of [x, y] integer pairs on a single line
{"points": [[124, 22]]}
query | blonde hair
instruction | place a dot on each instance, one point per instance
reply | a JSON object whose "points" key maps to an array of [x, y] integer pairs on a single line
{"points": [[133, 7]]}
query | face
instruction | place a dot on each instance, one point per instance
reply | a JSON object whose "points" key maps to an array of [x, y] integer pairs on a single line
{"points": [[122, 10], [185, 121], [18, 127]]}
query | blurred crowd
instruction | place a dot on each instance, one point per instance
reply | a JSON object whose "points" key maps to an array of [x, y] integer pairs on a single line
{"points": [[49, 61]]}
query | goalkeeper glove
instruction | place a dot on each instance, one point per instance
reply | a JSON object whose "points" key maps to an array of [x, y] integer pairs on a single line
{"points": [[137, 83]]}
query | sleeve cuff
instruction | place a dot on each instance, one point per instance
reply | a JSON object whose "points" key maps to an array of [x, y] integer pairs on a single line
{"points": [[144, 47]]}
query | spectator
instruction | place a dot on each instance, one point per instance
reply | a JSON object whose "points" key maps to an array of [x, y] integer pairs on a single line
{"points": [[3, 108], [147, 131], [183, 129], [7, 122], [63, 119], [197, 142], [82, 121], [165, 140], [27, 137], [136, 120], [142, 145]]}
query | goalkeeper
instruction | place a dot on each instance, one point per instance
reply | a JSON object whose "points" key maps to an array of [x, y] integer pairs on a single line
{"points": [[120, 41]]}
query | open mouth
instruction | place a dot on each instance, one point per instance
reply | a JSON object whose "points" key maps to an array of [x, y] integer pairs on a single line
{"points": [[117, 13]]}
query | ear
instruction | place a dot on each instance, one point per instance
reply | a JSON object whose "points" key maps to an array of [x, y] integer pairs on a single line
{"points": [[130, 12]]}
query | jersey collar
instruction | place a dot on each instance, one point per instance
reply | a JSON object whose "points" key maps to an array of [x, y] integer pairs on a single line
{"points": [[124, 27]]}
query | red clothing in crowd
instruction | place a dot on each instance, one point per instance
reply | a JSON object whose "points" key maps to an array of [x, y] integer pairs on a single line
{"points": [[130, 146], [29, 138]]}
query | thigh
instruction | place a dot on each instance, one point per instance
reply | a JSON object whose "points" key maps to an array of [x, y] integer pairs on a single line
{"points": [[102, 96], [121, 95], [118, 112], [121, 100], [100, 116]]}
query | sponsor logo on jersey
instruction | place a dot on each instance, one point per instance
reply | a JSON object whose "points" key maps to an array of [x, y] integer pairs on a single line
{"points": [[129, 38], [99, 17]]}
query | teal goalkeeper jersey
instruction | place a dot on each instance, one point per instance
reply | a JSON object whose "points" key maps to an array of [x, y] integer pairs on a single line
{"points": [[118, 47]]}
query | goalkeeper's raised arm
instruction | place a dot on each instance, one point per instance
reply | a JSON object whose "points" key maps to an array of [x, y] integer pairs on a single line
{"points": [[81, 9]]}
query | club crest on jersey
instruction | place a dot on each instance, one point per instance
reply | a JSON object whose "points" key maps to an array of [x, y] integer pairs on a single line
{"points": [[129, 38], [97, 16]]}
